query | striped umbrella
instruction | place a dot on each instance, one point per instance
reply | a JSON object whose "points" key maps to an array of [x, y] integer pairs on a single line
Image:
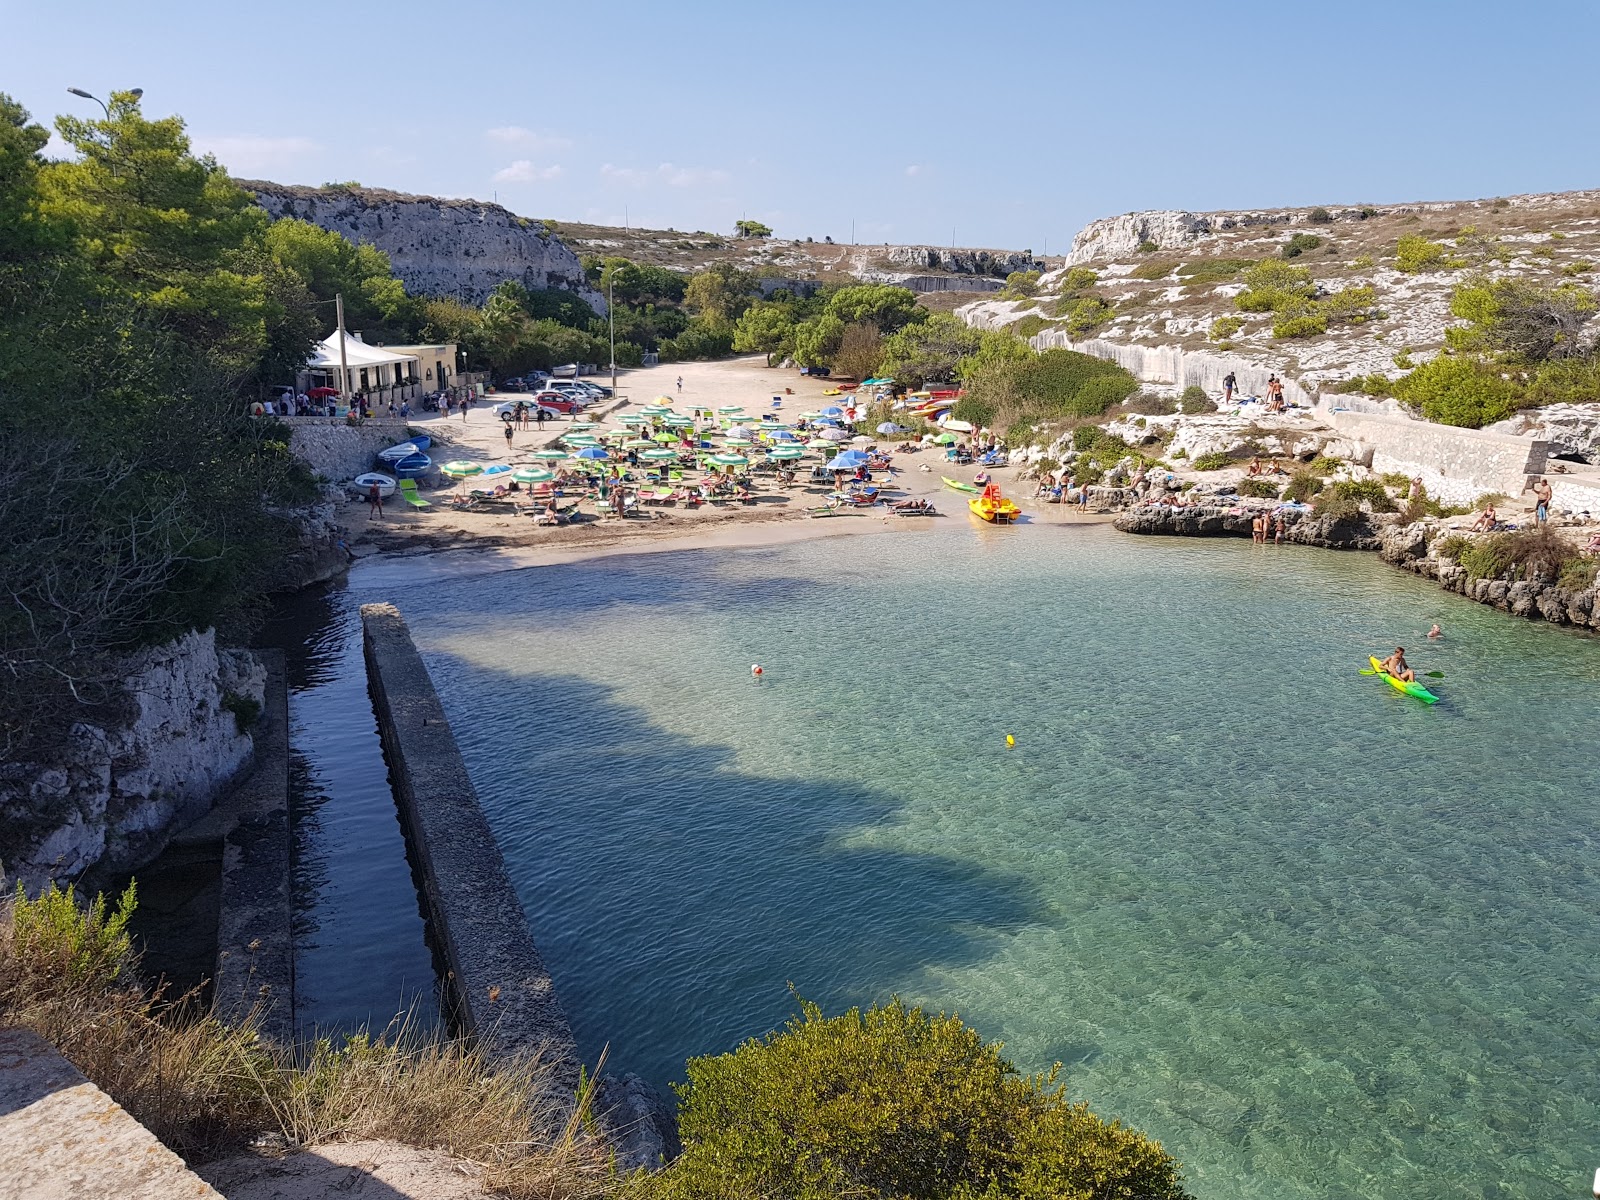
{"points": [[532, 475], [550, 455], [581, 439], [728, 460], [461, 469], [731, 408]]}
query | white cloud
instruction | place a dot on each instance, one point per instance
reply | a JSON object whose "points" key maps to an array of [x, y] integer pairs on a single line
{"points": [[667, 174], [523, 171], [248, 154], [915, 169], [516, 135]]}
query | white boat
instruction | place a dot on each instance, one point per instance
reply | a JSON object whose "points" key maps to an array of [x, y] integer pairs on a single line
{"points": [[360, 485]]}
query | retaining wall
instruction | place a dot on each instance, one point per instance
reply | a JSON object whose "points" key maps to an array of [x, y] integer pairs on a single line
{"points": [[1455, 465], [337, 451], [1170, 367], [503, 994]]}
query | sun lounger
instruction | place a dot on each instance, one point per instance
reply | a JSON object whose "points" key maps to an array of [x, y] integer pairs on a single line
{"points": [[408, 493]]}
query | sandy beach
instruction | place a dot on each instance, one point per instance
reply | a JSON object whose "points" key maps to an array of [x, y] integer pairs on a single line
{"points": [[496, 538]]}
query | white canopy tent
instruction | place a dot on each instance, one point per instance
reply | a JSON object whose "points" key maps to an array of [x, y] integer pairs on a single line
{"points": [[370, 366]]}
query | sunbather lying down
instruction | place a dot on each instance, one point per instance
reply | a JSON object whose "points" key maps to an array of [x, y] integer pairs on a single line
{"points": [[912, 506]]}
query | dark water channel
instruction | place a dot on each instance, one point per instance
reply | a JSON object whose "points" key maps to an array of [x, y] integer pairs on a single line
{"points": [[360, 953]]}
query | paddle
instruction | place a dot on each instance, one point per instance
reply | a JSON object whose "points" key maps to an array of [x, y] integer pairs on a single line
{"points": [[1426, 674]]}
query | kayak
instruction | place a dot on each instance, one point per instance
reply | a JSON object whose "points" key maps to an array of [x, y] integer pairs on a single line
{"points": [[1400, 685], [958, 485]]}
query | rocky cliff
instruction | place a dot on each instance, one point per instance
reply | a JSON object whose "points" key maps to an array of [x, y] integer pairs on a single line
{"points": [[461, 248], [157, 759]]}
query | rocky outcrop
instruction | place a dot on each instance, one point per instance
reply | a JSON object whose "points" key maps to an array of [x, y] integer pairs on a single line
{"points": [[460, 248], [995, 263], [169, 744], [1572, 430], [1360, 532], [1122, 236], [320, 552], [1415, 548]]}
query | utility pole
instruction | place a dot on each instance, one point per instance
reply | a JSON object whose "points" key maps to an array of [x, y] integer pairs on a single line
{"points": [[344, 365]]}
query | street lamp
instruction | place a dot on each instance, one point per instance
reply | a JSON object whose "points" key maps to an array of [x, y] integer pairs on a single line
{"points": [[134, 92]]}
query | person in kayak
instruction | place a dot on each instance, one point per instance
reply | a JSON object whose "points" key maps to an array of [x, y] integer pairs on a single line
{"points": [[1397, 666]]}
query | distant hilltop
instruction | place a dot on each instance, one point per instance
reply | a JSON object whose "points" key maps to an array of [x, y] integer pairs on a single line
{"points": [[438, 247]]}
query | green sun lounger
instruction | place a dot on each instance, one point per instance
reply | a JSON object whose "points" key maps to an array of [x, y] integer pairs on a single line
{"points": [[408, 491]]}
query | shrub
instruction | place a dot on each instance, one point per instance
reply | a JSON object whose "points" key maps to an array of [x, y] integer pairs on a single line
{"points": [[1487, 557], [1452, 547], [1148, 247], [1020, 285], [1213, 462], [1180, 452], [1214, 270], [1026, 327], [1458, 391], [1578, 574], [894, 1103], [1320, 216], [1299, 243], [1582, 267], [1414, 254], [1078, 278], [1308, 324], [1151, 405], [1325, 463], [1194, 399], [246, 710], [1259, 488], [1084, 315], [1223, 328], [1302, 486], [1273, 285], [1346, 498], [1362, 262], [1155, 269]]}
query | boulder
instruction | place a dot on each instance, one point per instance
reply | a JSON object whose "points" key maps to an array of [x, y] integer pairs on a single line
{"points": [[1403, 543]]}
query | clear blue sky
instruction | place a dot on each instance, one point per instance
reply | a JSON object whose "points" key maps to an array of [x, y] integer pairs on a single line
{"points": [[1009, 123]]}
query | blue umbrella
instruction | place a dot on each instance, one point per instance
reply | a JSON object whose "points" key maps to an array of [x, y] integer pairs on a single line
{"points": [[889, 427], [592, 452], [833, 410], [849, 460], [783, 435]]}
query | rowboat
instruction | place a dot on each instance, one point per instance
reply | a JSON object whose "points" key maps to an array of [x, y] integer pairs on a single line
{"points": [[362, 484], [412, 465], [415, 446], [958, 485], [993, 507]]}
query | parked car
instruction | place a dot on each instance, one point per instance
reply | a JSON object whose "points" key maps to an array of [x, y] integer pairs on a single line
{"points": [[559, 401], [816, 372], [598, 390], [548, 410], [569, 389]]}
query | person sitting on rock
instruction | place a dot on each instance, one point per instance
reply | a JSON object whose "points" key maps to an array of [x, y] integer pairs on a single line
{"points": [[1255, 467]]}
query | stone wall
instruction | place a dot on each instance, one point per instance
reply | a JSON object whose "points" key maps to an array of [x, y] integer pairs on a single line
{"points": [[1171, 368], [336, 451], [112, 796], [461, 248], [994, 263], [1455, 465]]}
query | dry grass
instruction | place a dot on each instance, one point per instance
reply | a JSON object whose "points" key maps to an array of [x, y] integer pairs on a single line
{"points": [[206, 1089]]}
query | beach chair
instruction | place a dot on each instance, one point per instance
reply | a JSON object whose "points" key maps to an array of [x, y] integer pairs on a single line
{"points": [[604, 508], [408, 493]]}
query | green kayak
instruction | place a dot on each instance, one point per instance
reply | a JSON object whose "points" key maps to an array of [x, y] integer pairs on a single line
{"points": [[1400, 685], [958, 485]]}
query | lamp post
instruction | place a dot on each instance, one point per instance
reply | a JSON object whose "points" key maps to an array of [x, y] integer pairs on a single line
{"points": [[135, 92]]}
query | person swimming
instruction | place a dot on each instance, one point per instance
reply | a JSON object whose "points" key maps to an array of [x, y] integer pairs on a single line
{"points": [[1436, 632], [1397, 666]]}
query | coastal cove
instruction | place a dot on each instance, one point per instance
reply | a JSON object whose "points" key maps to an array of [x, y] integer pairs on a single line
{"points": [[1320, 940]]}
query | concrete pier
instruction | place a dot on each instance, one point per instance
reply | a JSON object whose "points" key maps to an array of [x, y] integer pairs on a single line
{"points": [[499, 986]]}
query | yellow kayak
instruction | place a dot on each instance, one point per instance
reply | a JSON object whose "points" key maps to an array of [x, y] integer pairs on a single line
{"points": [[993, 507]]}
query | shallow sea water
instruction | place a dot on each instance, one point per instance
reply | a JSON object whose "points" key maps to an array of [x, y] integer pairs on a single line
{"points": [[1320, 939]]}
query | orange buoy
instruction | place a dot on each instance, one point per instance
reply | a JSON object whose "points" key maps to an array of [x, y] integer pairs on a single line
{"points": [[756, 670]]}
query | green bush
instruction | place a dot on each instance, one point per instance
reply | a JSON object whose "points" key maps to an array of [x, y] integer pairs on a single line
{"points": [[1299, 243], [1026, 327], [1320, 216], [895, 1104], [1579, 574], [246, 710], [1487, 557], [1346, 498], [1213, 462], [1195, 399], [1158, 268], [1362, 262], [1459, 391], [1148, 247], [1302, 486], [1084, 315], [1224, 328], [1414, 253], [1307, 324], [1258, 488], [1452, 547], [1078, 278], [1214, 270], [84, 946], [1020, 284], [1273, 285]]}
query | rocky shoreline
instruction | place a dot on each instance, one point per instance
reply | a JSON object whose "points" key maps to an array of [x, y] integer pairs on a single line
{"points": [[1412, 547]]}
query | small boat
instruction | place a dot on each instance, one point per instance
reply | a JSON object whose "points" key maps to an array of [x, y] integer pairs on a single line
{"points": [[958, 485], [415, 446], [1400, 685], [993, 507], [413, 465], [848, 387], [832, 392], [361, 484]]}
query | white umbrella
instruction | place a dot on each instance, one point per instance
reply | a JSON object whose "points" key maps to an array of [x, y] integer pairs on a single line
{"points": [[861, 439], [833, 435]]}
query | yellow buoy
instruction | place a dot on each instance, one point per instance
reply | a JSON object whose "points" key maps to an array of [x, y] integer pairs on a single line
{"points": [[1010, 741]]}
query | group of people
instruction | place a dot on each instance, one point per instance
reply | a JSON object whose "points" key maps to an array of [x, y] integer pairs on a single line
{"points": [[1274, 401]]}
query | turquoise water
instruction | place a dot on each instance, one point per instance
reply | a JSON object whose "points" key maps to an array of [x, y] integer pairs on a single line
{"points": [[1322, 940]]}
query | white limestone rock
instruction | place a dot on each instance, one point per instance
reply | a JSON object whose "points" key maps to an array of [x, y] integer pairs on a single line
{"points": [[1120, 237]]}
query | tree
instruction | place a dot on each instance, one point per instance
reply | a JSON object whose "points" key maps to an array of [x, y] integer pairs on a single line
{"points": [[860, 351], [929, 351], [375, 302], [1522, 321], [892, 1102], [889, 308], [816, 339], [721, 292], [751, 229], [1456, 390], [766, 328]]}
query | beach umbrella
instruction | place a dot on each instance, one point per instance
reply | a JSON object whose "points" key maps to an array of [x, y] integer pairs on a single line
{"points": [[786, 453], [461, 469], [738, 431], [861, 439], [549, 455], [731, 408], [654, 410], [658, 454], [581, 426], [834, 435], [665, 401], [532, 475], [889, 427], [592, 452], [665, 437], [833, 410], [782, 435], [638, 444], [728, 460], [848, 460], [945, 439]]}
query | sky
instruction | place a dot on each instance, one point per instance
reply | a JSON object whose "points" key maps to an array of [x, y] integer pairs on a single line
{"points": [[1001, 124]]}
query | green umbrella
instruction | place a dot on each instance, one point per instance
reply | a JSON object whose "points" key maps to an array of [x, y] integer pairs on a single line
{"points": [[581, 426], [550, 455], [580, 439], [637, 444], [654, 410], [678, 419], [659, 454], [945, 439], [728, 460], [461, 469], [633, 419], [731, 408], [532, 475], [786, 453], [666, 437]]}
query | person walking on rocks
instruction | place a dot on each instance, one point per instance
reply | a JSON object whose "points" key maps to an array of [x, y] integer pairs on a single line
{"points": [[374, 502], [1229, 382], [1542, 493]]}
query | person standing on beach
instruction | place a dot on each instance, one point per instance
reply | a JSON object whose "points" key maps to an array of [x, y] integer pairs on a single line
{"points": [[374, 502], [538, 416], [466, 403], [680, 385], [508, 437], [1542, 493], [1229, 382]]}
